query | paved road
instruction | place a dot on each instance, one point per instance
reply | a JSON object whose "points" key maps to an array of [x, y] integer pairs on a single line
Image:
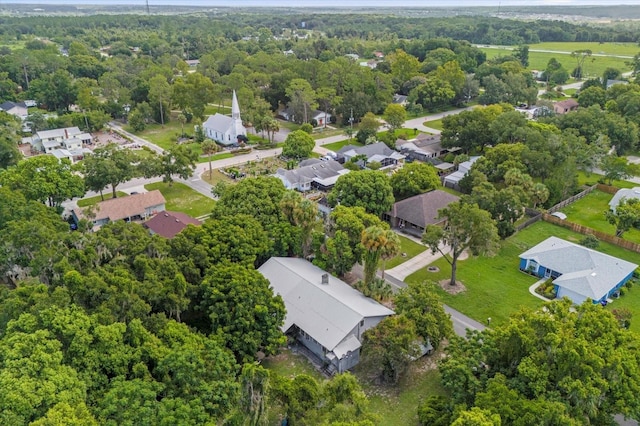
{"points": [[461, 322]]}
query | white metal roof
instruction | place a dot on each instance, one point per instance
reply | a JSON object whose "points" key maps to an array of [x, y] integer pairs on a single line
{"points": [[327, 312]]}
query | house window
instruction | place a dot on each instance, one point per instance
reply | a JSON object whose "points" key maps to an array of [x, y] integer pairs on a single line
{"points": [[362, 323]]}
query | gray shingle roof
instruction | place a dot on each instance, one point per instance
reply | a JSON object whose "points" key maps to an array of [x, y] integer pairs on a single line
{"points": [[313, 169], [584, 271], [380, 149], [327, 312], [422, 209]]}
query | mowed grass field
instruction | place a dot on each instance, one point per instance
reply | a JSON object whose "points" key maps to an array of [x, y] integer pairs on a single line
{"points": [[594, 66], [625, 49], [496, 288]]}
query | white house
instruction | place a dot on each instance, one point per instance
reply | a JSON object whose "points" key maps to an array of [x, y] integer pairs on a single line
{"points": [[322, 118], [376, 152], [70, 138], [224, 129], [17, 109], [325, 314], [626, 193], [454, 178], [313, 173]]}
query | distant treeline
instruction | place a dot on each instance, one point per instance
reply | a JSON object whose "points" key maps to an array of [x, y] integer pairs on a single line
{"points": [[235, 26]]}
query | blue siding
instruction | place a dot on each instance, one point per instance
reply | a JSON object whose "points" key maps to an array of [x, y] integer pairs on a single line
{"points": [[523, 264]]}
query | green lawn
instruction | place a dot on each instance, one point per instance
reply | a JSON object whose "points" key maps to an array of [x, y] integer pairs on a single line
{"points": [[95, 200], [336, 146], [495, 286], [216, 176], [165, 137], [590, 211], [181, 198], [630, 301], [628, 49], [593, 178], [321, 133], [593, 66], [409, 247], [434, 124]]}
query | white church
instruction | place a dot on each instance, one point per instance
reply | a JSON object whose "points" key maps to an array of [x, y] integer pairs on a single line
{"points": [[224, 129]]}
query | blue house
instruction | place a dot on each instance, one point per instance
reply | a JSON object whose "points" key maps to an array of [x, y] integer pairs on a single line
{"points": [[577, 272]]}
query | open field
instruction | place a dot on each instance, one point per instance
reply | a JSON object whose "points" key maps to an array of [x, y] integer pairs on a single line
{"points": [[590, 211], [625, 49], [495, 288], [409, 247], [593, 66], [181, 198]]}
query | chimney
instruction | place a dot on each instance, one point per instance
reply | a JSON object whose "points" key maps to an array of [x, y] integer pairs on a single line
{"points": [[325, 278], [66, 134]]}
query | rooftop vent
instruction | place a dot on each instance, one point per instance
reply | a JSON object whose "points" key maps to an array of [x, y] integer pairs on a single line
{"points": [[325, 278]]}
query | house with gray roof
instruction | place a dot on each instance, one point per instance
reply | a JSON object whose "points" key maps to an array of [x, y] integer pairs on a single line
{"points": [[378, 152], [69, 138], [314, 173], [453, 180], [413, 214], [224, 129], [578, 273], [324, 314], [17, 109], [626, 193]]}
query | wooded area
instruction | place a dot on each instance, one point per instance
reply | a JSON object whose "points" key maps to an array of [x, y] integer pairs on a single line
{"points": [[120, 327]]}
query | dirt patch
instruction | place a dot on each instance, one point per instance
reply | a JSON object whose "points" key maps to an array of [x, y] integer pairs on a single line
{"points": [[452, 289]]}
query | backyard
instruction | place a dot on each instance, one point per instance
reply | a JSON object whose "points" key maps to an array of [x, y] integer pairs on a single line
{"points": [[181, 198], [590, 211], [495, 288], [395, 405]]}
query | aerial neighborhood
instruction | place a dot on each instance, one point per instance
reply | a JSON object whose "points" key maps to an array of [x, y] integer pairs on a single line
{"points": [[279, 216]]}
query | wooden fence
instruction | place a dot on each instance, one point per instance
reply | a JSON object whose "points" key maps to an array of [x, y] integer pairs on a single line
{"points": [[573, 199], [607, 188], [598, 234]]}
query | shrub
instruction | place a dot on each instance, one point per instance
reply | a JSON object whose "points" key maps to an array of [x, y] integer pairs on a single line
{"points": [[307, 128], [590, 241]]}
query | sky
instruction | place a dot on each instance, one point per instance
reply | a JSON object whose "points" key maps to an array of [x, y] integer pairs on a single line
{"points": [[335, 3]]}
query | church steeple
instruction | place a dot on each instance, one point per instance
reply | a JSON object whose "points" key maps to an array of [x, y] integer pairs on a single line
{"points": [[235, 108]]}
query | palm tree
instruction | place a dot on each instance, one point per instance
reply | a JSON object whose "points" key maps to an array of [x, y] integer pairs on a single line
{"points": [[208, 148], [390, 249], [373, 240]]}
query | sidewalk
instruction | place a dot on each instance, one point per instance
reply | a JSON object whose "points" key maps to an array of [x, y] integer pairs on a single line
{"points": [[414, 264]]}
